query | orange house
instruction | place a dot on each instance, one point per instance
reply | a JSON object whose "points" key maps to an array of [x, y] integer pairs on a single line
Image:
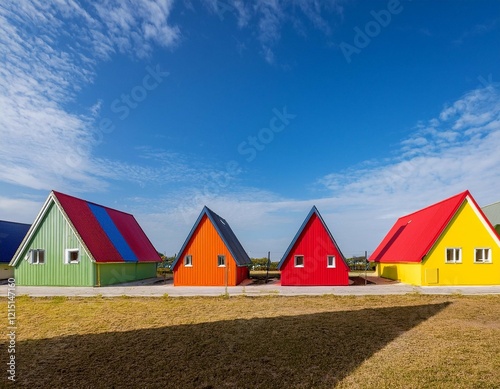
{"points": [[211, 255]]}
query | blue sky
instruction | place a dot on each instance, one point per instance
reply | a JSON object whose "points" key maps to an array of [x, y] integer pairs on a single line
{"points": [[367, 109]]}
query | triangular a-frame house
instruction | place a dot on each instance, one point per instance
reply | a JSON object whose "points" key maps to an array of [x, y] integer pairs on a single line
{"points": [[73, 242], [212, 255], [11, 236], [448, 243], [313, 257]]}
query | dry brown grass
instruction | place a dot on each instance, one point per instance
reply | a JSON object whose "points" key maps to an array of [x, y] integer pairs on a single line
{"points": [[408, 341]]}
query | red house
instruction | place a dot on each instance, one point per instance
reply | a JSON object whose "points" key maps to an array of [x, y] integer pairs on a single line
{"points": [[313, 257]]}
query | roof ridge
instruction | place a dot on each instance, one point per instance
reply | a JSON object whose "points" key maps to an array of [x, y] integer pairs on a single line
{"points": [[461, 194], [489, 205], [8, 221], [91, 202]]}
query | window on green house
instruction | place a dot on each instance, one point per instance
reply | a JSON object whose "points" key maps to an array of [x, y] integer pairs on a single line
{"points": [[453, 255], [37, 256], [482, 255], [72, 256]]}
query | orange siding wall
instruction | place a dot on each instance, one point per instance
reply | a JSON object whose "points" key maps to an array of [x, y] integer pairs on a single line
{"points": [[204, 246]]}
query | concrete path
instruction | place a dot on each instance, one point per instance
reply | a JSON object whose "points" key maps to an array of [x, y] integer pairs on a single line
{"points": [[149, 288]]}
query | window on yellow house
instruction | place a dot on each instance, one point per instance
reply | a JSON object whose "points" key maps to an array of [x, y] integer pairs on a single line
{"points": [[482, 255], [453, 255]]}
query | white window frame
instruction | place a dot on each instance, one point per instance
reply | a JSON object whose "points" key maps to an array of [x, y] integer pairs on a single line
{"points": [[221, 260], [188, 260], [295, 260], [34, 256], [334, 261], [67, 256], [455, 259], [484, 250]]}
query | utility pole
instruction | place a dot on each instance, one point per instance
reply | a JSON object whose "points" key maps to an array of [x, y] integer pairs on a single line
{"points": [[225, 274], [366, 266], [268, 264]]}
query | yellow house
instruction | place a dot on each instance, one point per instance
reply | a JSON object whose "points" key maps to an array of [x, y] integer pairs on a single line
{"points": [[447, 243]]}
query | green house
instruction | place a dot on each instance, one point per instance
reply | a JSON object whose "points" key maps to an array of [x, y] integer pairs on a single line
{"points": [[74, 242]]}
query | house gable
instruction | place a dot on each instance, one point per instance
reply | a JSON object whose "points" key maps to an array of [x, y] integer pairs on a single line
{"points": [[314, 243], [53, 234], [467, 231], [204, 244]]}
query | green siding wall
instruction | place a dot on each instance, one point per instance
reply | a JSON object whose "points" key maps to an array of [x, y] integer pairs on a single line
{"points": [[54, 235], [116, 273]]}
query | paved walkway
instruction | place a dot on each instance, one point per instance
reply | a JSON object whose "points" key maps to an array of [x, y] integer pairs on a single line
{"points": [[149, 288]]}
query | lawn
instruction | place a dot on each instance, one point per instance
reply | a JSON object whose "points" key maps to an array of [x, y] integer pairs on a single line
{"points": [[411, 341]]}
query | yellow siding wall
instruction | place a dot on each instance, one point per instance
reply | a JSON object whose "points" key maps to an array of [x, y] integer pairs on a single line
{"points": [[204, 246], [409, 273], [465, 231]]}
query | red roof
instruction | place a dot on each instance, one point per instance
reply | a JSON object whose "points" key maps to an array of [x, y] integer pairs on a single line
{"points": [[413, 235], [109, 235]]}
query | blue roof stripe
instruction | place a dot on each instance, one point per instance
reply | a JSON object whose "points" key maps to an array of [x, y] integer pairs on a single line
{"points": [[113, 233]]}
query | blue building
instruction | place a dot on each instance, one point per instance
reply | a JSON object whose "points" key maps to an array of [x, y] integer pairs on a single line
{"points": [[11, 236]]}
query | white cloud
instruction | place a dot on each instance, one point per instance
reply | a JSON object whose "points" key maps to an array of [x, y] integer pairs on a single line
{"points": [[52, 51], [19, 210], [456, 152], [268, 17], [363, 202]]}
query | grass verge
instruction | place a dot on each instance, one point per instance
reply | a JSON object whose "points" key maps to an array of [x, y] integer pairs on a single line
{"points": [[262, 342]]}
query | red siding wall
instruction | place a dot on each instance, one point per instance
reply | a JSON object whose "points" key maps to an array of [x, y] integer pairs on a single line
{"points": [[314, 244], [204, 246]]}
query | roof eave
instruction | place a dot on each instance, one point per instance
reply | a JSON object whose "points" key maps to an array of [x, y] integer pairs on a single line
{"points": [[190, 235], [32, 229]]}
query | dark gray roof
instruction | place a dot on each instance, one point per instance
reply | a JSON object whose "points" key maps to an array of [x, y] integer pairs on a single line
{"points": [[11, 236], [225, 232]]}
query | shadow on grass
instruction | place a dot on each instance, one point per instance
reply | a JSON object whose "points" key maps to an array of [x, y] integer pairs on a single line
{"points": [[303, 351]]}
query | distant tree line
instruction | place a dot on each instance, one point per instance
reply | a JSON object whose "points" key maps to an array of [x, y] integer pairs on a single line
{"points": [[257, 263], [261, 264], [354, 263], [359, 263]]}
